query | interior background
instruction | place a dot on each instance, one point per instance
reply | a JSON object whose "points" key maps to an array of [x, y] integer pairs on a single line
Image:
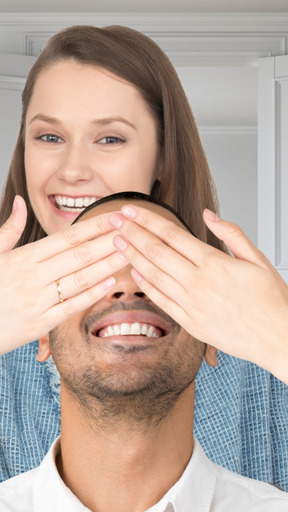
{"points": [[215, 46]]}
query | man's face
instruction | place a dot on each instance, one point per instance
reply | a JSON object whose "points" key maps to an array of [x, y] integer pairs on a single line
{"points": [[124, 345]]}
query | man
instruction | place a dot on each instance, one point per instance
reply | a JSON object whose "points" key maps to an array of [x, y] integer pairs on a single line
{"points": [[127, 393]]}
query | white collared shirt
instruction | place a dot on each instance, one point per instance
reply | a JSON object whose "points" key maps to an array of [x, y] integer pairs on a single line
{"points": [[203, 487]]}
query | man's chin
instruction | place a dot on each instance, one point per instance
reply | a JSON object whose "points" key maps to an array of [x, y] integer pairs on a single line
{"points": [[122, 380], [133, 382], [133, 401]]}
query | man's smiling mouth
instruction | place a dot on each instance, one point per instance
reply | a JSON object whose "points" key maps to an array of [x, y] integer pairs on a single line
{"points": [[130, 329]]}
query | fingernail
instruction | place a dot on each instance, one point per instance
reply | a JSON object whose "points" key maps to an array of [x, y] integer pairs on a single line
{"points": [[129, 212], [115, 220], [211, 215], [119, 243], [122, 257], [135, 274], [108, 283]]}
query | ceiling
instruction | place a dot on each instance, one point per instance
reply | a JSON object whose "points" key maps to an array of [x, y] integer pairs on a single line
{"points": [[139, 6]]}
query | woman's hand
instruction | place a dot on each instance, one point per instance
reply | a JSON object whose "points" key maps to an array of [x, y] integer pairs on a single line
{"points": [[237, 304], [82, 257]]}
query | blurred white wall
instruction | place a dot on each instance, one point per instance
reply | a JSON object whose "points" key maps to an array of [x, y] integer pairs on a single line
{"points": [[232, 156]]}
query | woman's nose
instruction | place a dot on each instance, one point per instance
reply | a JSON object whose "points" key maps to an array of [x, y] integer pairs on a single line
{"points": [[75, 165]]}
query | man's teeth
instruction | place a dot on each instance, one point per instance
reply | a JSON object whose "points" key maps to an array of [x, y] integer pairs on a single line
{"points": [[128, 329], [73, 203]]}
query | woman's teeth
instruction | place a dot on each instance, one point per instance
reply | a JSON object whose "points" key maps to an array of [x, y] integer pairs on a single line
{"points": [[126, 329], [73, 204]]}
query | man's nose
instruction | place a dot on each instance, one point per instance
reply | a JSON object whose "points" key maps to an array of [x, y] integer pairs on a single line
{"points": [[125, 288]]}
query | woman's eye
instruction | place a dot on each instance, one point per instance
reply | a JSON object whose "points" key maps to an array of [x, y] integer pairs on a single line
{"points": [[49, 137], [110, 140]]}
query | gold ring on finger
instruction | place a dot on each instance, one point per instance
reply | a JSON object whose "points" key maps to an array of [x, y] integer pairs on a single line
{"points": [[59, 290]]}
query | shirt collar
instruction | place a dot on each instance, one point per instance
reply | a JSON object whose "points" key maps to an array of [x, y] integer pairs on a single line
{"points": [[50, 491], [194, 490]]}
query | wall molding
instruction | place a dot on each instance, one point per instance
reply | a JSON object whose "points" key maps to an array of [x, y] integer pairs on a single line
{"points": [[281, 173], [273, 162], [161, 22], [208, 49], [11, 83], [228, 131], [188, 39]]}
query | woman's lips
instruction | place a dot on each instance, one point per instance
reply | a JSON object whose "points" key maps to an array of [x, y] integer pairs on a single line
{"points": [[69, 207], [67, 203]]}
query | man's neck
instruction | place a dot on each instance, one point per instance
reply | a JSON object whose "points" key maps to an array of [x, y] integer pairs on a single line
{"points": [[124, 469]]}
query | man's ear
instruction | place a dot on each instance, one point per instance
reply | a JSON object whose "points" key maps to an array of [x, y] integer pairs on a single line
{"points": [[44, 349], [211, 356]]}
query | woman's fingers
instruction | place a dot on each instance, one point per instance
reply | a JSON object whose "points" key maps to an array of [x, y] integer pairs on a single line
{"points": [[176, 237], [163, 301], [82, 257], [222, 300], [84, 280], [13, 228], [76, 259], [69, 238], [163, 257], [68, 308], [149, 269], [31, 308], [77, 266], [234, 238], [24, 329], [190, 247]]}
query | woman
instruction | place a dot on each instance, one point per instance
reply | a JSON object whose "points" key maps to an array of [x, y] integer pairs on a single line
{"points": [[103, 111]]}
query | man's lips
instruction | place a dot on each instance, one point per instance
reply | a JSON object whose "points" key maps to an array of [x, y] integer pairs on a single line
{"points": [[129, 329], [130, 323]]}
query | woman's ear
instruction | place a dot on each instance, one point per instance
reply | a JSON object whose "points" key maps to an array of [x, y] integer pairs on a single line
{"points": [[211, 356], [44, 349]]}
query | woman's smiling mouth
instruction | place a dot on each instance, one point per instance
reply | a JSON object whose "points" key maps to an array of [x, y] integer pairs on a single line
{"points": [[73, 204]]}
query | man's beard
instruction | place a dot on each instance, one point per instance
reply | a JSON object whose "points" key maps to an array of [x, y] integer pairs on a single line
{"points": [[146, 405], [139, 398]]}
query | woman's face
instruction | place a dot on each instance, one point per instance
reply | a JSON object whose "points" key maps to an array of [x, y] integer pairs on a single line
{"points": [[88, 134]]}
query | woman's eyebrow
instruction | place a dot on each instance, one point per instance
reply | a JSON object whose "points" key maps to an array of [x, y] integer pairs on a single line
{"points": [[100, 122], [109, 120], [46, 119]]}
